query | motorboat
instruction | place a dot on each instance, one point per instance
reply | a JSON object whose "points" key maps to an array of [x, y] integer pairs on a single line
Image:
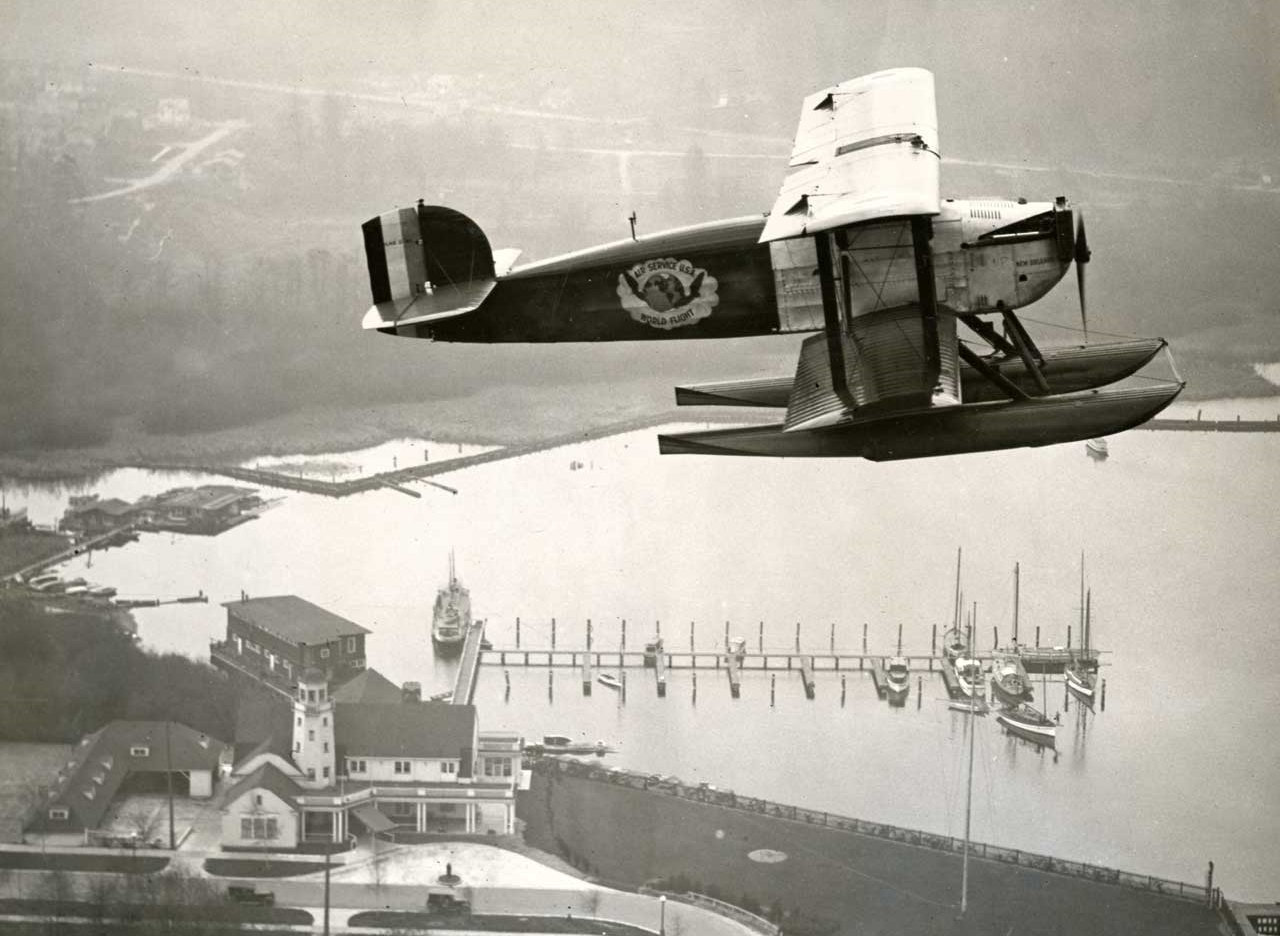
{"points": [[968, 676], [1008, 684], [608, 679], [451, 618], [898, 678]]}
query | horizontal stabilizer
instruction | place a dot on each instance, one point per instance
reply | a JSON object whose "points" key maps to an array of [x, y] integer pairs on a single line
{"points": [[444, 302], [953, 430]]}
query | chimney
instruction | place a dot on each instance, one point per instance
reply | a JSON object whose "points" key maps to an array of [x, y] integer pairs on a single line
{"points": [[411, 692]]}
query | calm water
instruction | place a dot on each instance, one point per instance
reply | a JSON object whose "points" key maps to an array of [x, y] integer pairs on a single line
{"points": [[1179, 532]]}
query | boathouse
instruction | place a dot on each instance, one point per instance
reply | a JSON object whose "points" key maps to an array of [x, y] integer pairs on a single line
{"points": [[124, 758], [271, 640], [399, 766]]}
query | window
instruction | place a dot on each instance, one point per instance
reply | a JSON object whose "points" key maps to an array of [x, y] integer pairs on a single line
{"points": [[297, 746], [324, 653], [351, 645], [299, 721], [403, 809], [139, 750], [325, 721], [311, 695], [325, 773], [448, 767], [326, 747], [259, 827], [257, 799], [311, 734], [311, 773], [59, 812], [402, 767]]}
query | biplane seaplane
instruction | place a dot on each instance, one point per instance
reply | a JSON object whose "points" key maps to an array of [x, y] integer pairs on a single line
{"points": [[860, 249]]}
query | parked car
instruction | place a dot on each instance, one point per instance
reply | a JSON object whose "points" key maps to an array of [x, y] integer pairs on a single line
{"points": [[447, 904], [240, 894]]}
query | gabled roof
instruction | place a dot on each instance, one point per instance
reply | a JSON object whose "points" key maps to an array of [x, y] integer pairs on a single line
{"points": [[293, 619], [368, 686], [410, 729], [112, 506], [267, 777], [104, 759]]}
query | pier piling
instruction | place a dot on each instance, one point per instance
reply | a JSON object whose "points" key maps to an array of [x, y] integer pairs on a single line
{"points": [[588, 635], [586, 674], [919, 692], [995, 637], [797, 636], [760, 644], [806, 675], [1068, 636], [695, 687], [833, 637], [726, 636], [864, 642], [773, 690], [553, 633], [1037, 636], [517, 633], [623, 646], [691, 644], [657, 629], [551, 683], [933, 641], [1104, 695], [842, 690]]}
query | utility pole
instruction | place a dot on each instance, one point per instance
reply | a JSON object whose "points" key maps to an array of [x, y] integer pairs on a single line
{"points": [[168, 775], [328, 848]]}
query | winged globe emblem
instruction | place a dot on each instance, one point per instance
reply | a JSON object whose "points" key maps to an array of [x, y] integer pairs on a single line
{"points": [[667, 293]]}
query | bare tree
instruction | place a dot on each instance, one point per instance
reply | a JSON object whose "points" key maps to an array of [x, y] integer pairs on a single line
{"points": [[142, 822]]}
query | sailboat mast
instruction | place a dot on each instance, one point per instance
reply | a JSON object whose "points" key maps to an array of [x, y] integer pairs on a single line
{"points": [[1016, 579], [955, 617], [1088, 623]]}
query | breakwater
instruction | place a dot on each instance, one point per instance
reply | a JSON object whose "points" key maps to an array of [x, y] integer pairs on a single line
{"points": [[395, 480]]}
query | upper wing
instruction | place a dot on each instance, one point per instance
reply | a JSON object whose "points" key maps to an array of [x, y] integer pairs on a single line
{"points": [[866, 148]]}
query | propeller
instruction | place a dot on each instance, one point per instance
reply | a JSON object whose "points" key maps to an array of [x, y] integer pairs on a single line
{"points": [[1082, 255]]}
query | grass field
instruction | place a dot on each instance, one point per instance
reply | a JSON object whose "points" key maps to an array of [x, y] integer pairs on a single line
{"points": [[864, 884]]}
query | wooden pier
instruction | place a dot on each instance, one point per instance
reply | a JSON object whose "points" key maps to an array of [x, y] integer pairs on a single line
{"points": [[464, 689]]}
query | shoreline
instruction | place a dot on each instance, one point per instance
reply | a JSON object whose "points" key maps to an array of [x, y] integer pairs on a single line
{"points": [[486, 418]]}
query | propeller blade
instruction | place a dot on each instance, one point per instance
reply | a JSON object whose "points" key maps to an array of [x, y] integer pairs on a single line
{"points": [[1082, 256]]}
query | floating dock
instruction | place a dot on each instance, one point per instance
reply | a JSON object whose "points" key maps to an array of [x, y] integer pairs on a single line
{"points": [[464, 689]]}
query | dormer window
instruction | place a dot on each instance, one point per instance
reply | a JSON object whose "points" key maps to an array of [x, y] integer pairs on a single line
{"points": [[59, 813], [89, 792], [139, 750], [107, 762]]}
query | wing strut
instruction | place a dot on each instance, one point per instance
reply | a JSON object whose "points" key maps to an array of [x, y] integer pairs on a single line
{"points": [[921, 234], [983, 329], [1027, 350], [974, 360], [831, 317]]}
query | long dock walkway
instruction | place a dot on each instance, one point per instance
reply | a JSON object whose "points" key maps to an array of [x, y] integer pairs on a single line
{"points": [[464, 688], [74, 549]]}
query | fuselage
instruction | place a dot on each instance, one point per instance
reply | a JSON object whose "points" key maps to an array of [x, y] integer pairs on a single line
{"points": [[716, 280]]}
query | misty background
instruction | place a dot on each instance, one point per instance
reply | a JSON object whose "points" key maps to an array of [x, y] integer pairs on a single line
{"points": [[183, 183]]}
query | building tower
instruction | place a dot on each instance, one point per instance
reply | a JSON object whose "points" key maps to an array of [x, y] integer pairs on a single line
{"points": [[313, 730]]}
